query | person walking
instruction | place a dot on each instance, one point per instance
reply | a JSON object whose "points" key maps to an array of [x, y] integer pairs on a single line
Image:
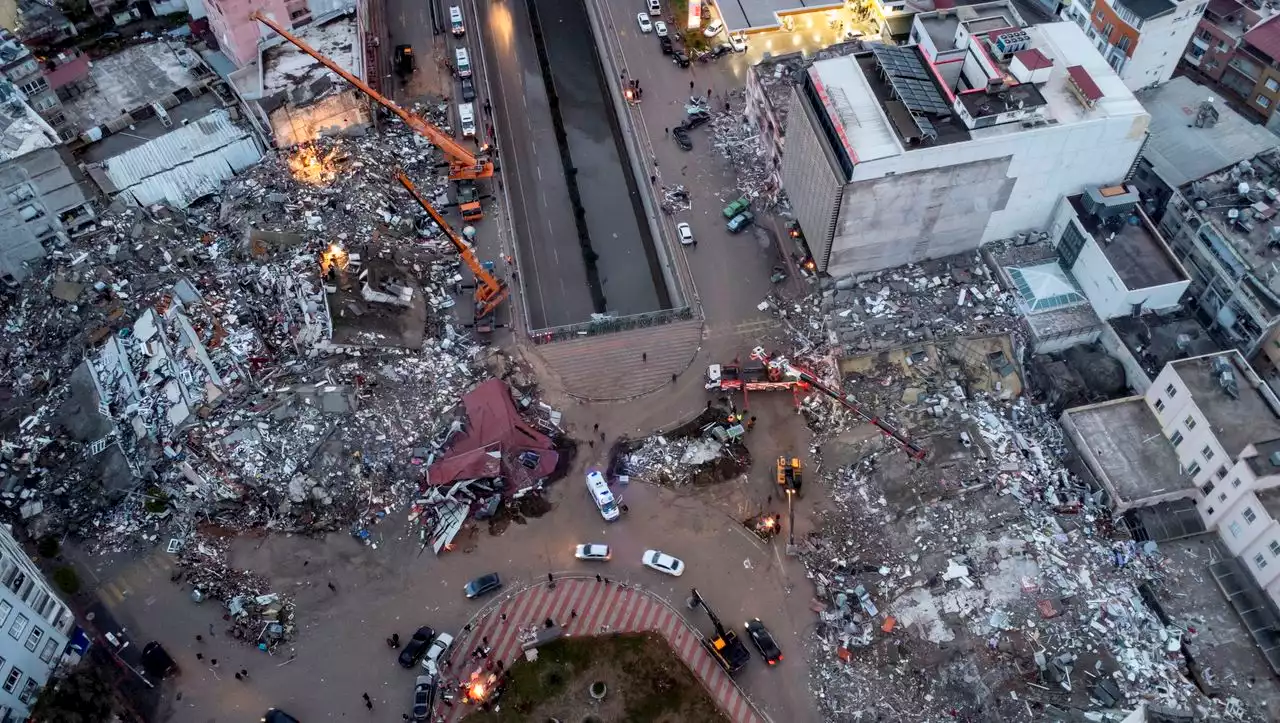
{"points": [[333, 587]]}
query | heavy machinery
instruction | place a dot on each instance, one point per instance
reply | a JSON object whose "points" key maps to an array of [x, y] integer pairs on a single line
{"points": [[469, 201], [490, 291], [845, 400], [463, 164], [726, 647], [753, 376], [789, 478]]}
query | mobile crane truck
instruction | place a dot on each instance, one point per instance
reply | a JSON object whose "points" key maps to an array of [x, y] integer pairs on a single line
{"points": [[726, 647]]}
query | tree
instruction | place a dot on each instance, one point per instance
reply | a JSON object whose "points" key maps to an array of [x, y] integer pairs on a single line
{"points": [[83, 694]]}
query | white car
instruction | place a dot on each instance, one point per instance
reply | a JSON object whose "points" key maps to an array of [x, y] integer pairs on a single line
{"points": [[660, 28], [437, 653], [714, 28], [645, 25], [593, 551], [738, 43], [686, 234], [662, 562]]}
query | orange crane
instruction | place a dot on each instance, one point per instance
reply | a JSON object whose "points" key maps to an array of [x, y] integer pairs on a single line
{"points": [[463, 164], [490, 291]]}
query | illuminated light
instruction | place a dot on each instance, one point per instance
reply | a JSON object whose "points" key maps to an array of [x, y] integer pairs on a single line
{"points": [[309, 166], [334, 257]]}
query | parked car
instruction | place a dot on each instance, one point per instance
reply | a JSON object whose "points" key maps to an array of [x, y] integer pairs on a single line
{"points": [[437, 653], [643, 20], [737, 42], [412, 651], [665, 43], [593, 551], [468, 90], [275, 715], [662, 562], [404, 60], [741, 221], [681, 137], [685, 233], [660, 28], [737, 207], [680, 58], [697, 119], [764, 641], [424, 698], [655, 8], [482, 585], [719, 51], [714, 28]]}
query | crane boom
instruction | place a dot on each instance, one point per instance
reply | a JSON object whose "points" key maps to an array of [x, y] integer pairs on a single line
{"points": [[846, 400], [463, 164], [490, 291]]}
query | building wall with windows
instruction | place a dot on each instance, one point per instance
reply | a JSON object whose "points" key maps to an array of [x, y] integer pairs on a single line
{"points": [[35, 625], [1143, 43]]}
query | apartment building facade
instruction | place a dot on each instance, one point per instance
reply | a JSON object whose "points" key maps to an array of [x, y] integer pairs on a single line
{"points": [[21, 68], [36, 626], [1218, 33], [1141, 39], [238, 35]]}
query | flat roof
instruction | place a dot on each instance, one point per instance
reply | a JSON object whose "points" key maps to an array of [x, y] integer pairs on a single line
{"points": [[1179, 151], [1157, 339], [1148, 9], [847, 96], [1136, 251], [22, 130], [1261, 464], [149, 129], [1129, 447], [131, 78], [1236, 422], [760, 14], [285, 69]]}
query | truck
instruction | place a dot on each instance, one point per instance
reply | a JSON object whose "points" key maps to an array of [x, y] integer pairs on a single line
{"points": [[789, 474], [726, 647]]}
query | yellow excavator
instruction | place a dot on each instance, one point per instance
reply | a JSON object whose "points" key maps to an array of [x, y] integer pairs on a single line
{"points": [[789, 476]]}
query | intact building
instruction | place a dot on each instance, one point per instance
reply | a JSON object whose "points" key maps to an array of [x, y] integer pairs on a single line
{"points": [[891, 159], [37, 625], [1142, 39]]}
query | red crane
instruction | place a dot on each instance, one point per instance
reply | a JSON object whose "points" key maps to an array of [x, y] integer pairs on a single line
{"points": [[846, 400]]}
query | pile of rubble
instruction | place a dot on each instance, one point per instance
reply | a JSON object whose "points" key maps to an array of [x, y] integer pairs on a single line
{"points": [[738, 141], [987, 583], [269, 357], [704, 451], [255, 615]]}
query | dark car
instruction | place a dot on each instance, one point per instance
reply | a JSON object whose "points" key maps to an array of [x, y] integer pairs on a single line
{"points": [[417, 645], [404, 59], [697, 119], [719, 51], [482, 585], [275, 715], [680, 58], [665, 42], [468, 90], [681, 137], [764, 642], [424, 698]]}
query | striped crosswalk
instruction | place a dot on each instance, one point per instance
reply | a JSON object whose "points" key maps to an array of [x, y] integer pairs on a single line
{"points": [[138, 575], [601, 608]]}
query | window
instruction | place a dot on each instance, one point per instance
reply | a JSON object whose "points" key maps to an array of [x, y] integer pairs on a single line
{"points": [[1248, 515], [1209, 512], [1235, 529], [21, 578], [1171, 391], [11, 681], [1222, 496], [1235, 482], [1159, 405], [1124, 42], [5, 609], [295, 14], [1263, 101], [18, 628], [1207, 452], [50, 647], [28, 691], [1275, 548], [33, 638], [35, 86], [1190, 422], [1194, 469], [1176, 438], [42, 599], [1222, 471], [1272, 84], [1259, 560], [1208, 488]]}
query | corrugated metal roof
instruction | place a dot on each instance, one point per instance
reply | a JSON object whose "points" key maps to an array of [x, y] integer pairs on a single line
{"points": [[186, 163], [1181, 152]]}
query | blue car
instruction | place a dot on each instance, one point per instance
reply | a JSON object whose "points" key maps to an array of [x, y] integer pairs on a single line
{"points": [[482, 585]]}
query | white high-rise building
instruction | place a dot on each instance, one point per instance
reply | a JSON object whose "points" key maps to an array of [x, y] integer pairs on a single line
{"points": [[35, 625]]}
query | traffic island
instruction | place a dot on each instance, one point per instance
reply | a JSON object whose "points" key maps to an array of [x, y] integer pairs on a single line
{"points": [[644, 679]]}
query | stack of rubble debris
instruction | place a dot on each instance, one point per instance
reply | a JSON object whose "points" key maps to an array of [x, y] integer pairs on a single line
{"points": [[987, 583], [737, 140], [706, 450], [256, 615], [233, 362]]}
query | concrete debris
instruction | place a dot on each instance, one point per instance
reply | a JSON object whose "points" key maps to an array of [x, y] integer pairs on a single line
{"points": [[737, 139], [707, 450], [256, 616]]}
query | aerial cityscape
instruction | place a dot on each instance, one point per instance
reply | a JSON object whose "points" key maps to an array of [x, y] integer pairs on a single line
{"points": [[645, 361]]}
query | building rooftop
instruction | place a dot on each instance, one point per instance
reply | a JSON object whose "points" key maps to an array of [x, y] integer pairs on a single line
{"points": [[142, 131], [287, 70], [1158, 339], [134, 77], [1125, 439], [1136, 250], [1148, 9], [978, 19], [1265, 36], [1246, 222], [1267, 461], [779, 74], [1237, 420], [22, 130], [1234, 17], [61, 185], [1181, 151]]}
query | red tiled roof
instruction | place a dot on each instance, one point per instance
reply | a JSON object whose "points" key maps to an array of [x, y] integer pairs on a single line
{"points": [[943, 4], [68, 72], [1033, 59], [1085, 83], [1265, 36]]}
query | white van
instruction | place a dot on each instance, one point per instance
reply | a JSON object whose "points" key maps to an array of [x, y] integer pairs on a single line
{"points": [[467, 119], [464, 62], [654, 8], [603, 497], [455, 20]]}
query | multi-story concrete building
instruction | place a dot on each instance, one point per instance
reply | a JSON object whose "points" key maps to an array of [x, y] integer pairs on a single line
{"points": [[1141, 39], [21, 68], [238, 35], [1218, 33], [1252, 73], [43, 198], [891, 160], [37, 625], [1200, 450]]}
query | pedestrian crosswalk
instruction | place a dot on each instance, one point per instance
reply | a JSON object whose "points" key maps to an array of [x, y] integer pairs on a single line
{"points": [[625, 364], [589, 607], [137, 576]]}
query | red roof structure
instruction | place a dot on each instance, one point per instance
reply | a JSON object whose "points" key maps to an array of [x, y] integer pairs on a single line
{"points": [[493, 442], [69, 72], [1084, 83], [1265, 36], [1033, 59]]}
